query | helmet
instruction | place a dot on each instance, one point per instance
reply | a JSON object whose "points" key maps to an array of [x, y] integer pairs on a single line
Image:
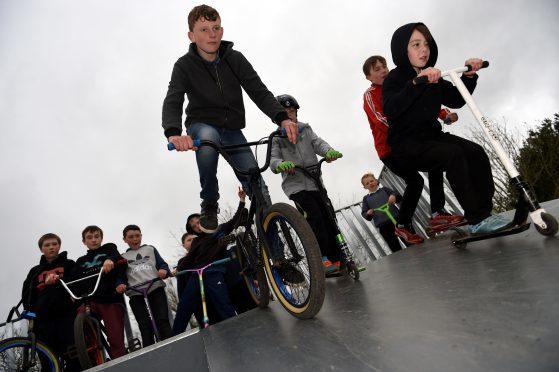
{"points": [[287, 101]]}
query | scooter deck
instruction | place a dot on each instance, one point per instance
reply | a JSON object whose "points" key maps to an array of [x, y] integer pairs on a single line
{"points": [[460, 237]]}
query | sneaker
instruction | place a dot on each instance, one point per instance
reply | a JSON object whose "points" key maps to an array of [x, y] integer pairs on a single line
{"points": [[444, 218], [291, 274], [328, 266], [338, 264], [490, 224], [408, 234], [208, 217]]}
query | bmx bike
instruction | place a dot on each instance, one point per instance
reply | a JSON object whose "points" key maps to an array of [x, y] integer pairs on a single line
{"points": [[26, 353], [276, 241]]}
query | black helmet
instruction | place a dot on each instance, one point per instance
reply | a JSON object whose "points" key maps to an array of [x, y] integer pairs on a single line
{"points": [[287, 101]]}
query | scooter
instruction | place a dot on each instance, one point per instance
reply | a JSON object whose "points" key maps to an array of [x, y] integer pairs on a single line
{"points": [[527, 204]]}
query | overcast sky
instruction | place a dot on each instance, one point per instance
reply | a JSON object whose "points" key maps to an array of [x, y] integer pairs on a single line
{"points": [[82, 84]]}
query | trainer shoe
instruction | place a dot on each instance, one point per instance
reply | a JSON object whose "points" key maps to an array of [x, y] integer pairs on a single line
{"points": [[408, 234], [490, 224], [291, 274], [328, 266], [208, 217], [442, 217]]}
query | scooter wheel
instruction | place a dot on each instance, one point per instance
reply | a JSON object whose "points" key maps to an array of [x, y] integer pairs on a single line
{"points": [[551, 225], [456, 235], [353, 270]]}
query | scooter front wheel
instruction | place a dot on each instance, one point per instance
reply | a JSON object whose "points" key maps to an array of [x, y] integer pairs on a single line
{"points": [[551, 225]]}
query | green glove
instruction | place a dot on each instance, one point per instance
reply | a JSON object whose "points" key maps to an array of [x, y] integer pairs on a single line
{"points": [[284, 166], [333, 155]]}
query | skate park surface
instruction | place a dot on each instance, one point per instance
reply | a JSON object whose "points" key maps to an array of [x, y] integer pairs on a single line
{"points": [[491, 307]]}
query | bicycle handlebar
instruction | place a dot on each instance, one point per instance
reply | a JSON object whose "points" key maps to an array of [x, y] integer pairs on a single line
{"points": [[218, 262], [223, 150], [424, 79], [98, 275]]}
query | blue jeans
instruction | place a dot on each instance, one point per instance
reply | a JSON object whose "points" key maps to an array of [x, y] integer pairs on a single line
{"points": [[207, 158]]}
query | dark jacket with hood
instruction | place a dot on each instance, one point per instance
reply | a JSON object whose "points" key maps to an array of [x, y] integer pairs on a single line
{"points": [[91, 264], [48, 301], [214, 91], [412, 110]]}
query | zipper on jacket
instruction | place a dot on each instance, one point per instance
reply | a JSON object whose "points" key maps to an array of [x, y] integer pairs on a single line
{"points": [[218, 81]]}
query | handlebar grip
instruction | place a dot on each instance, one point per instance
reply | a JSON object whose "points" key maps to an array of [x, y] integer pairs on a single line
{"points": [[484, 64], [196, 143], [420, 80]]}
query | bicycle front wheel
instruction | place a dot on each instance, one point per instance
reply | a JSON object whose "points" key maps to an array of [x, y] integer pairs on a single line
{"points": [[89, 347], [15, 354], [293, 261], [252, 270]]}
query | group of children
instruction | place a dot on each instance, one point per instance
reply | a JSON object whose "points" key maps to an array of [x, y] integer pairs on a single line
{"points": [[408, 137], [138, 272], [403, 117]]}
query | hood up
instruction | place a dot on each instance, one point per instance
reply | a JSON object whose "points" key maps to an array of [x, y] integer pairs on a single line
{"points": [[399, 46]]}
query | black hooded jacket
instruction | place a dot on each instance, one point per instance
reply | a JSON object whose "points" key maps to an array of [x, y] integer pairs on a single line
{"points": [[412, 110], [48, 301], [214, 91], [91, 263]]}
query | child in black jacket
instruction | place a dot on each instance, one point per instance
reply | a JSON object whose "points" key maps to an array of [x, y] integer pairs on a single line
{"points": [[415, 134], [54, 309], [106, 302]]}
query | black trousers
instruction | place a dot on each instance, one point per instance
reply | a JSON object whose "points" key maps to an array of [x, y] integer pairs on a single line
{"points": [[58, 334], [158, 303], [386, 230], [311, 205], [466, 165]]}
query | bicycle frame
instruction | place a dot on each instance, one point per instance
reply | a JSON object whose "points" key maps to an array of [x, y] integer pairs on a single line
{"points": [[31, 360], [200, 272], [258, 202]]}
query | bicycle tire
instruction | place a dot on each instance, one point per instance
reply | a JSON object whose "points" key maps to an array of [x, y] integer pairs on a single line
{"points": [[253, 274], [89, 347], [13, 349], [283, 224]]}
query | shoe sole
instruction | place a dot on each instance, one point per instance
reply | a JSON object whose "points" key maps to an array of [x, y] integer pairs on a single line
{"points": [[207, 231]]}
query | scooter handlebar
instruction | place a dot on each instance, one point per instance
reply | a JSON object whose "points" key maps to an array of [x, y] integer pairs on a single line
{"points": [[423, 79]]}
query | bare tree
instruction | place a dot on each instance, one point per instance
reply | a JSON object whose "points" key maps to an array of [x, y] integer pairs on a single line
{"points": [[505, 196]]}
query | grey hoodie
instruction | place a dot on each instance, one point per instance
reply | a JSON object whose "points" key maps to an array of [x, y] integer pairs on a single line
{"points": [[304, 154]]}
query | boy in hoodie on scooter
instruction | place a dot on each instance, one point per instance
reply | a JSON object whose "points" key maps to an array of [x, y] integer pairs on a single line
{"points": [[415, 134]]}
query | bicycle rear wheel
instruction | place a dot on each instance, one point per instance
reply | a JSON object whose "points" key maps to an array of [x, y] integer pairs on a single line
{"points": [[89, 346], [294, 251], [15, 353], [252, 271]]}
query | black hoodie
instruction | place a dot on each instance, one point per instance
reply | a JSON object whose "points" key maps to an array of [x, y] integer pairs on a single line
{"points": [[48, 301], [214, 91], [90, 264], [412, 110]]}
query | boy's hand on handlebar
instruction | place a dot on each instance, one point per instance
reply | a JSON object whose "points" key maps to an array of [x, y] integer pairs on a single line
{"points": [[51, 279], [108, 265], [182, 143], [291, 130], [332, 155], [121, 288], [370, 212], [285, 166], [242, 195], [475, 63], [162, 273], [433, 74], [392, 199]]}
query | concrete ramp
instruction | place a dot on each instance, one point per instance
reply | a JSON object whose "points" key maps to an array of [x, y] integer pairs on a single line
{"points": [[491, 307]]}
